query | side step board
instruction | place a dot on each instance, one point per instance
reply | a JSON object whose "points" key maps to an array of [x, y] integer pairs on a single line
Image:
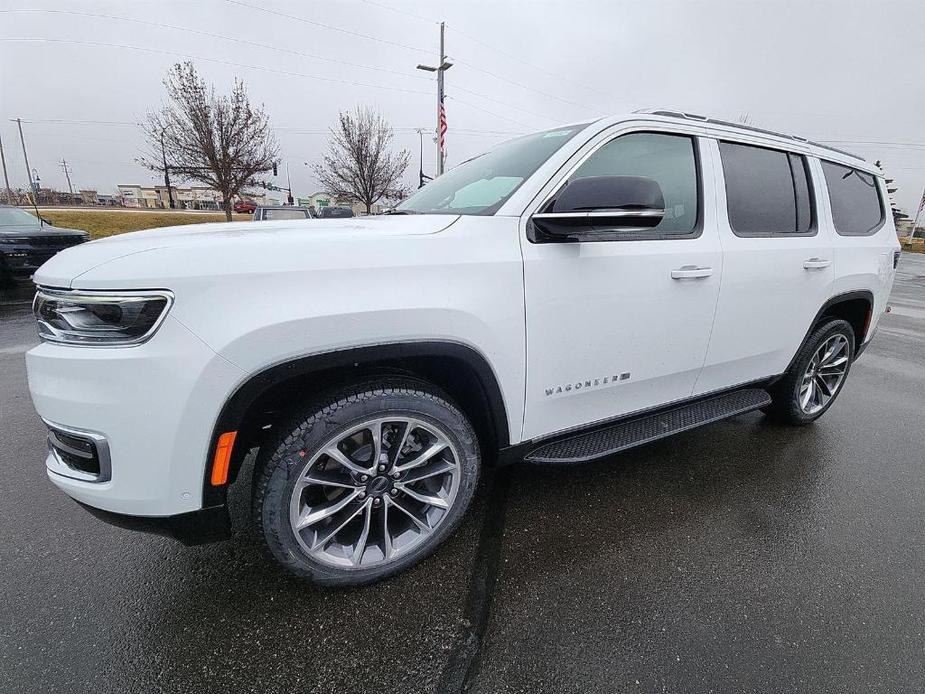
{"points": [[636, 431]]}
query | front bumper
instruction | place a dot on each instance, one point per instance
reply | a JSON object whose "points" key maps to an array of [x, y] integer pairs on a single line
{"points": [[153, 404], [194, 528]]}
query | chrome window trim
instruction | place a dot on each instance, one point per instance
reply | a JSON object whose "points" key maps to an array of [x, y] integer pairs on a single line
{"points": [[103, 296], [637, 214], [54, 463]]}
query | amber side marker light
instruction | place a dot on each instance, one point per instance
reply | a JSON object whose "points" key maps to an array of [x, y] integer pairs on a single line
{"points": [[222, 458]]}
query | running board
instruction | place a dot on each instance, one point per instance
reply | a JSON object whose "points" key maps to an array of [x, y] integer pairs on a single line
{"points": [[629, 433]]}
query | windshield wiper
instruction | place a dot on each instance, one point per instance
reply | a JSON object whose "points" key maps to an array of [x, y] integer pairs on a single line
{"points": [[402, 212]]}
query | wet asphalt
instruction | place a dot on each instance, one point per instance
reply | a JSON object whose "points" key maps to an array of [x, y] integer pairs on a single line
{"points": [[742, 557]]}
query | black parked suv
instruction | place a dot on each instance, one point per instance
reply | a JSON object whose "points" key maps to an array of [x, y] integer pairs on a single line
{"points": [[27, 241], [335, 212]]}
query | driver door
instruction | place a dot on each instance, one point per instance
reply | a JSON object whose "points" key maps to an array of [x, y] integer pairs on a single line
{"points": [[618, 319]]}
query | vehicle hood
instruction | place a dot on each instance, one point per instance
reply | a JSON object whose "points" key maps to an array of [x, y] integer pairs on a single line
{"points": [[33, 231], [150, 258]]}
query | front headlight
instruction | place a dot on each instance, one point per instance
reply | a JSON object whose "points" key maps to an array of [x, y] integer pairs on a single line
{"points": [[109, 319]]}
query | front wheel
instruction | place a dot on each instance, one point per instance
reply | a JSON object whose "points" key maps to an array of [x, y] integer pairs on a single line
{"points": [[816, 376], [366, 482]]}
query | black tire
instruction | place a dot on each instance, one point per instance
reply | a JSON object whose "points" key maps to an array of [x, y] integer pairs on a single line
{"points": [[785, 394], [314, 426]]}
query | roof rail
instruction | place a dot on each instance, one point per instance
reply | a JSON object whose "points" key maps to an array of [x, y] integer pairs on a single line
{"points": [[749, 128]]}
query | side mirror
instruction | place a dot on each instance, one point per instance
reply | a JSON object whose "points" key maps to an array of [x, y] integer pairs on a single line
{"points": [[587, 207]]}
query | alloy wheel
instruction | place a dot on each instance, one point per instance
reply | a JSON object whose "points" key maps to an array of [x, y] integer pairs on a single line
{"points": [[374, 492], [825, 374]]}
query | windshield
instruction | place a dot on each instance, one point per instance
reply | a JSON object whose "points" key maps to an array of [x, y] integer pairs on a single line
{"points": [[481, 185], [12, 216]]}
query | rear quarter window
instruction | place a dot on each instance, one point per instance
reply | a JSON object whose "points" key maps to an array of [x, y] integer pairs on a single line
{"points": [[857, 209]]}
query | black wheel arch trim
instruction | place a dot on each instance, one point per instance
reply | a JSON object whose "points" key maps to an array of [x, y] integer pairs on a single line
{"points": [[865, 294], [236, 406]]}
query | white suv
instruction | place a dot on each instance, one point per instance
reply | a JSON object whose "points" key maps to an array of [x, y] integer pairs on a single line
{"points": [[563, 297]]}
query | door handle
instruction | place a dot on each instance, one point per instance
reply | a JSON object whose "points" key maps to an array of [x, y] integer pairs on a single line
{"points": [[816, 263], [691, 272]]}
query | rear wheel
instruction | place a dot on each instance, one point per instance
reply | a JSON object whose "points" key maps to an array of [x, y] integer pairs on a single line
{"points": [[816, 376], [366, 483]]}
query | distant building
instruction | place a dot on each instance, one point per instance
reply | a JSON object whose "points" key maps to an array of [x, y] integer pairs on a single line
{"points": [[189, 198], [89, 197]]}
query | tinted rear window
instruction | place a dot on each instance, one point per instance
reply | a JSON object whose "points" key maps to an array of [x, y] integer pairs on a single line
{"points": [[767, 191], [855, 200]]}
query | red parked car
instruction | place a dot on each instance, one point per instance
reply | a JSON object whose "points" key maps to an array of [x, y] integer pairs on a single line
{"points": [[245, 207]]}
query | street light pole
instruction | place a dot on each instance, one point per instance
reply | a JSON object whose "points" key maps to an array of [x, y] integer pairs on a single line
{"points": [[6, 179], [441, 112], [441, 67]]}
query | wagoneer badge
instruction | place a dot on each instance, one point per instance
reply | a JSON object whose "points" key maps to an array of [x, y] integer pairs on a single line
{"points": [[587, 384]]}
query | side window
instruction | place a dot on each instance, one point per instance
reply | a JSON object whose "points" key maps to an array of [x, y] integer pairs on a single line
{"points": [[669, 160], [855, 198], [767, 191]]}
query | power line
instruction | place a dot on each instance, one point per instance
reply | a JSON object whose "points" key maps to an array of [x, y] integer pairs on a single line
{"points": [[328, 26], [486, 45], [404, 12], [521, 85], [299, 53], [482, 70], [286, 129], [478, 41], [511, 56], [222, 37], [490, 113], [215, 60], [77, 122], [502, 103]]}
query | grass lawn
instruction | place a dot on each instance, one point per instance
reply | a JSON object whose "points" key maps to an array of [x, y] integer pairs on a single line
{"points": [[100, 223]]}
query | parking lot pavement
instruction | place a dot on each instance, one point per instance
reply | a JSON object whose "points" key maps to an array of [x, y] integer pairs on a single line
{"points": [[740, 557], [736, 558]]}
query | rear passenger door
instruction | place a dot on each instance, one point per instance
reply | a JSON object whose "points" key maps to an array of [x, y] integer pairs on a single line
{"points": [[778, 265]]}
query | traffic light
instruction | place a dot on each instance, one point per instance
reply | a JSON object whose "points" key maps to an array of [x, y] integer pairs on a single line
{"points": [[274, 168]]}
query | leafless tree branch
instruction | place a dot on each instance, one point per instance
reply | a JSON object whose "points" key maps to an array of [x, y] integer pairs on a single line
{"points": [[359, 164], [220, 141]]}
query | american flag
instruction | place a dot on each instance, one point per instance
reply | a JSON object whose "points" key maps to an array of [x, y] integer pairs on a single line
{"points": [[442, 133]]}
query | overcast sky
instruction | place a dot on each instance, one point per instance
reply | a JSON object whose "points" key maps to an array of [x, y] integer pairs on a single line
{"points": [[847, 70]]}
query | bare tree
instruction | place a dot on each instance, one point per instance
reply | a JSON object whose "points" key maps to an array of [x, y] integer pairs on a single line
{"points": [[220, 141], [359, 164]]}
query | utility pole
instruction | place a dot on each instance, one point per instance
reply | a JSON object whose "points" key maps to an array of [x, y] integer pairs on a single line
{"points": [[441, 67], [67, 175], [25, 156], [6, 179], [166, 173]]}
